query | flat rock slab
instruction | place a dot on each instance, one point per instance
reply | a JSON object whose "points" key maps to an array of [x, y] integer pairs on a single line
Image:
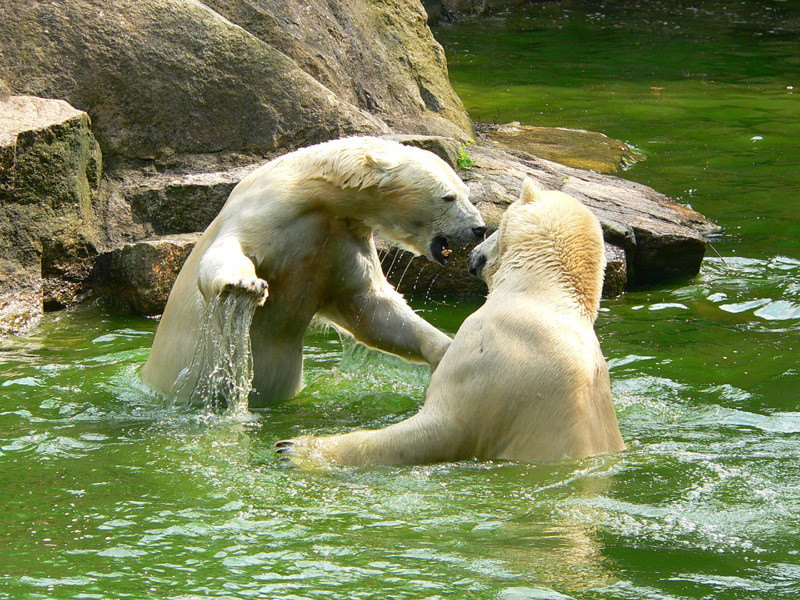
{"points": [[182, 203], [663, 240], [571, 147], [649, 237], [25, 113]]}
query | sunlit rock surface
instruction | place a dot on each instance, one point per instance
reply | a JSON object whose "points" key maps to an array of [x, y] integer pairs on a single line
{"points": [[571, 147], [166, 77], [50, 167]]}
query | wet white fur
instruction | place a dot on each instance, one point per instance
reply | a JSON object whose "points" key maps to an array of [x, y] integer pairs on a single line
{"points": [[303, 223], [524, 378]]}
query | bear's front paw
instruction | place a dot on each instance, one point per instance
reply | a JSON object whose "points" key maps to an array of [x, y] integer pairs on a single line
{"points": [[256, 287]]}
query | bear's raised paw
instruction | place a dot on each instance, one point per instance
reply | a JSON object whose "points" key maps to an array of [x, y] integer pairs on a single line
{"points": [[257, 287]]}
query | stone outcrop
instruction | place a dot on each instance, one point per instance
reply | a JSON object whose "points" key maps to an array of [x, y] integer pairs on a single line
{"points": [[139, 276], [50, 168], [179, 203], [165, 77], [378, 56], [648, 237], [663, 240]]}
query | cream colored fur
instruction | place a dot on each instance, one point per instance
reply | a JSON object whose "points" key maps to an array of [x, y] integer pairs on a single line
{"points": [[524, 378], [303, 224]]}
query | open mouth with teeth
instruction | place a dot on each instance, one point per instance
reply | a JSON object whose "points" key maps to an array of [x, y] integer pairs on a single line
{"points": [[440, 249]]}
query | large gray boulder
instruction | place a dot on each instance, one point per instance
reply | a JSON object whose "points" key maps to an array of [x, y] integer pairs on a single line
{"points": [[379, 56], [50, 168], [164, 77]]}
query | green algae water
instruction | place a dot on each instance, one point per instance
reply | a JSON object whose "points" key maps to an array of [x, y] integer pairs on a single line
{"points": [[107, 492]]}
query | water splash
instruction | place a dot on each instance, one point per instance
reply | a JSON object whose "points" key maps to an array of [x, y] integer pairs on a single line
{"points": [[223, 360]]}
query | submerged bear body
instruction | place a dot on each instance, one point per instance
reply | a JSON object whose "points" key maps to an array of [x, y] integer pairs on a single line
{"points": [[524, 378]]}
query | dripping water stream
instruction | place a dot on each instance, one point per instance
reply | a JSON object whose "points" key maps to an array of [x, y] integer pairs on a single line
{"points": [[222, 366]]}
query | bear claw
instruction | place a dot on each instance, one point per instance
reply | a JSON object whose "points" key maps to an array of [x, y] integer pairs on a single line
{"points": [[257, 287], [284, 446]]}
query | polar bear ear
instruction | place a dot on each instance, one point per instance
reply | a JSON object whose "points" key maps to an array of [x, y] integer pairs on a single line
{"points": [[383, 161], [531, 192]]}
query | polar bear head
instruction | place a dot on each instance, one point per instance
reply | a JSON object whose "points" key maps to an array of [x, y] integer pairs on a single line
{"points": [[550, 239], [416, 199]]}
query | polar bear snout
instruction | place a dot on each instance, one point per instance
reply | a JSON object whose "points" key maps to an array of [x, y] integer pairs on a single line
{"points": [[476, 261], [440, 245], [479, 233]]}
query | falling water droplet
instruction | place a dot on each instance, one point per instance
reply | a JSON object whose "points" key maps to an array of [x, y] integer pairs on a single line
{"points": [[397, 254], [430, 287], [408, 264]]}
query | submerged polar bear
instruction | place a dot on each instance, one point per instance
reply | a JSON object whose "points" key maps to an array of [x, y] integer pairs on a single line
{"points": [[302, 224], [524, 378]]}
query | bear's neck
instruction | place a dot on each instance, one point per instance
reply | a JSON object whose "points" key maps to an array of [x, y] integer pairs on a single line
{"points": [[333, 177], [543, 286], [358, 206]]}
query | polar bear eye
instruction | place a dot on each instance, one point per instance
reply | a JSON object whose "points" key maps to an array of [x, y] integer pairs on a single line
{"points": [[449, 198]]}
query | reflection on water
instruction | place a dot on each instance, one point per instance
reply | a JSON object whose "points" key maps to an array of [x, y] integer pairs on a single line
{"points": [[777, 279], [106, 492]]}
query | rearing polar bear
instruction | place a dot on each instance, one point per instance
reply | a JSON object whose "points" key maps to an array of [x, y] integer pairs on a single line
{"points": [[524, 378], [301, 227]]}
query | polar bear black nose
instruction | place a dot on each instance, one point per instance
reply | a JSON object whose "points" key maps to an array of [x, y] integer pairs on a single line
{"points": [[479, 232]]}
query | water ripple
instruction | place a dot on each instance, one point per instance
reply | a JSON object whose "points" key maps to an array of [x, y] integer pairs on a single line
{"points": [[775, 283]]}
